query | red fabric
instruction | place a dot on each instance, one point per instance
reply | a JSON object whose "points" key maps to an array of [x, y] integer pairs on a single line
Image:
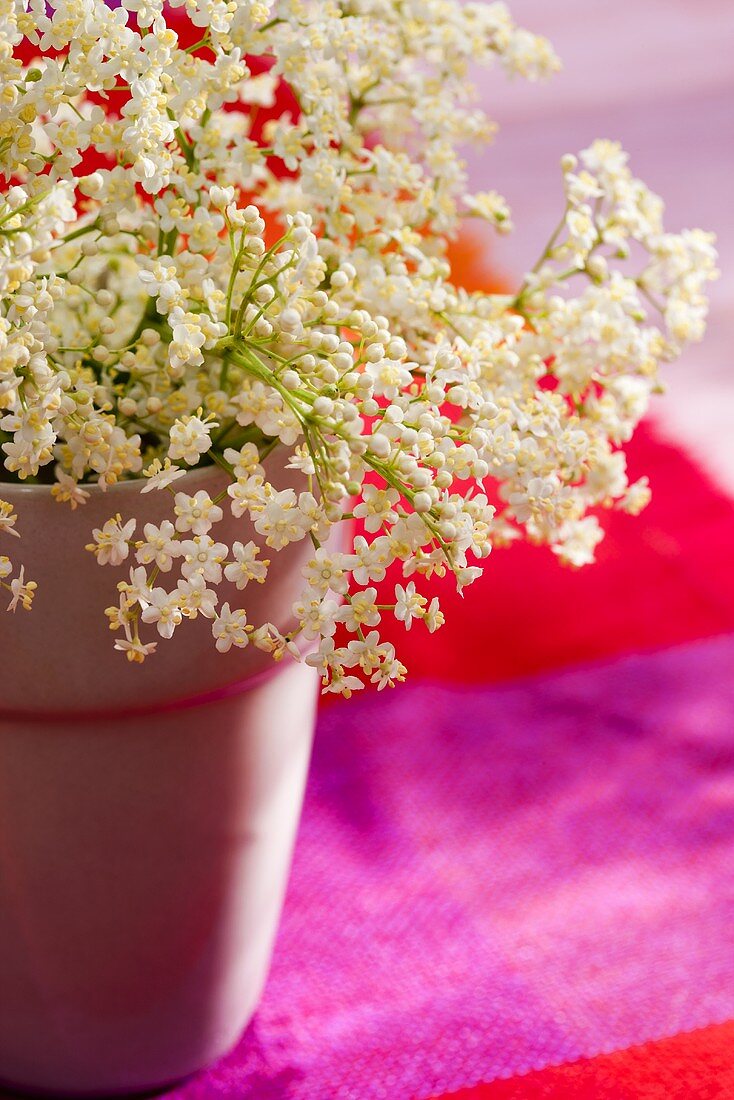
{"points": [[696, 1066]]}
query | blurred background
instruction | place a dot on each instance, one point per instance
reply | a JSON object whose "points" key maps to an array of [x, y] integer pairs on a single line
{"points": [[657, 75]]}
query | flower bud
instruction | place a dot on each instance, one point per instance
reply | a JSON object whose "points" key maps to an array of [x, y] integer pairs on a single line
{"points": [[290, 319], [91, 185], [379, 445], [323, 406]]}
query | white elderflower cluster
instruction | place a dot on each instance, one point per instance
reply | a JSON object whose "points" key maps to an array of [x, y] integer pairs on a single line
{"points": [[223, 230]]}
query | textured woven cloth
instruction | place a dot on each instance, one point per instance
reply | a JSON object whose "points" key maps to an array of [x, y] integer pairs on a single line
{"points": [[493, 880]]}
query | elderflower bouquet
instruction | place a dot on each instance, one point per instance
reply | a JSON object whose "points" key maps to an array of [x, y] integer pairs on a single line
{"points": [[223, 232]]}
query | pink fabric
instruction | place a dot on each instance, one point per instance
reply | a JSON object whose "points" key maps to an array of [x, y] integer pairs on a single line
{"points": [[494, 879]]}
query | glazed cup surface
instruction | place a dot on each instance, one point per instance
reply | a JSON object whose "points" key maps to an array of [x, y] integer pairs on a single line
{"points": [[143, 859]]}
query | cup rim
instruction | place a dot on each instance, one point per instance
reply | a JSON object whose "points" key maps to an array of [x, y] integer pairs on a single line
{"points": [[12, 489]]}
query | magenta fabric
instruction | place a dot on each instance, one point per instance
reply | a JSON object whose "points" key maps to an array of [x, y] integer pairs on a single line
{"points": [[492, 880]]}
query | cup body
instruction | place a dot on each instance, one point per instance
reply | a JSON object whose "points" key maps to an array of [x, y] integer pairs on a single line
{"points": [[147, 815]]}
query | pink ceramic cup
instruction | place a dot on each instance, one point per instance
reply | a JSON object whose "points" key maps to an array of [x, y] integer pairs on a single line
{"points": [[147, 814]]}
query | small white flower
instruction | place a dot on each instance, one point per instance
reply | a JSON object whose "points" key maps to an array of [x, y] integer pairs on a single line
{"points": [[409, 604], [136, 589], [390, 670], [326, 571], [302, 460], [202, 555], [67, 490], [195, 598], [536, 498], [160, 546], [491, 206], [281, 521], [230, 628], [245, 567], [433, 617], [244, 462], [578, 540], [160, 281], [185, 347], [467, 575], [190, 439], [134, 649], [637, 497], [331, 663], [377, 660], [112, 541], [197, 513], [164, 610], [161, 476], [377, 507], [247, 494], [22, 592], [370, 560], [8, 519], [361, 610], [317, 617]]}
